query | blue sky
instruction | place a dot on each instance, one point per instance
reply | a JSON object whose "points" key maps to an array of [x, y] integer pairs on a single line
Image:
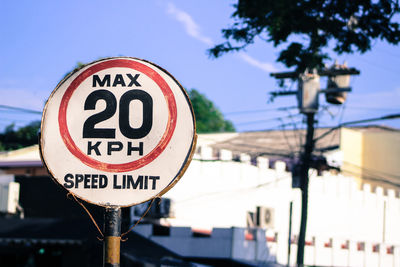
{"points": [[43, 40]]}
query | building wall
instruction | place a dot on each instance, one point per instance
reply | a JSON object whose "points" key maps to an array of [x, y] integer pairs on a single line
{"points": [[372, 155], [382, 155], [351, 144], [219, 192]]}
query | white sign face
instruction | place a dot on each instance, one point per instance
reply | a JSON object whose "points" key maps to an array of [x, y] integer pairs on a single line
{"points": [[118, 131]]}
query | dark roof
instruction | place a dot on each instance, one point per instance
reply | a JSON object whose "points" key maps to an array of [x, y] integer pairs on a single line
{"points": [[53, 231], [141, 249], [77, 232], [20, 163]]}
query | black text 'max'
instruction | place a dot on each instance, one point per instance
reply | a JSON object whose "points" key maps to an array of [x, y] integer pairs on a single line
{"points": [[113, 80]]}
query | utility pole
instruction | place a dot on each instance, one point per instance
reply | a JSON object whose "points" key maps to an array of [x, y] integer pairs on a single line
{"points": [[305, 166], [307, 96]]}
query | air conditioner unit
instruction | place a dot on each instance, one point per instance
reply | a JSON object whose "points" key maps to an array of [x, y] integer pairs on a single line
{"points": [[265, 217], [9, 197]]}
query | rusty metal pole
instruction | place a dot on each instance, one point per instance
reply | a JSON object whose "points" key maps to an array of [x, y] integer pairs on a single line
{"points": [[112, 236]]}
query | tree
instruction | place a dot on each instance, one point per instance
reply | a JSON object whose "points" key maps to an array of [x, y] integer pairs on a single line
{"points": [[208, 117], [348, 26], [23, 137]]}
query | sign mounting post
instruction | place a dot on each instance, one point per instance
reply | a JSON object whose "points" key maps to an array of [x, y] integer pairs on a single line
{"points": [[118, 132]]}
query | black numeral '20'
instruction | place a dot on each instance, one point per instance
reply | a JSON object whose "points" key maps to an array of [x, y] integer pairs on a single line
{"points": [[89, 131]]}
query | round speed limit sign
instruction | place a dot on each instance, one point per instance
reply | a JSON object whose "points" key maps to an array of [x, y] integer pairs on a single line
{"points": [[118, 131]]}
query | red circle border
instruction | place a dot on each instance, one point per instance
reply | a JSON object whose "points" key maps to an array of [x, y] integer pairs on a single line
{"points": [[129, 166]]}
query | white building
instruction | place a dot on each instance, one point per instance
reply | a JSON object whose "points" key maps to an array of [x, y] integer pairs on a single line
{"points": [[347, 225]]}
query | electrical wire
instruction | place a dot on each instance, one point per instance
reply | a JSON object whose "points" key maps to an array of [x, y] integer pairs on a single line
{"points": [[295, 130], [287, 140], [387, 52], [372, 178], [371, 171], [277, 127], [341, 114], [378, 66], [258, 111], [21, 109], [241, 190], [386, 117], [370, 108], [8, 121], [265, 120], [274, 152]]}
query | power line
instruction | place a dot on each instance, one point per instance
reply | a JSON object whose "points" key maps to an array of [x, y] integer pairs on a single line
{"points": [[371, 171], [387, 117], [387, 52], [21, 109], [341, 114], [266, 120], [370, 108], [241, 190], [287, 139], [278, 127], [271, 152], [300, 144], [378, 66], [376, 178], [7, 120], [257, 111]]}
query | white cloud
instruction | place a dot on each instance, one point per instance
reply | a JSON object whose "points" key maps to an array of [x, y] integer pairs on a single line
{"points": [[191, 27], [193, 30], [265, 66]]}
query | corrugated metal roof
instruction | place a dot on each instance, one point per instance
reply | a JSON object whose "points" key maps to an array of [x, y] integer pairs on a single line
{"points": [[287, 143]]}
